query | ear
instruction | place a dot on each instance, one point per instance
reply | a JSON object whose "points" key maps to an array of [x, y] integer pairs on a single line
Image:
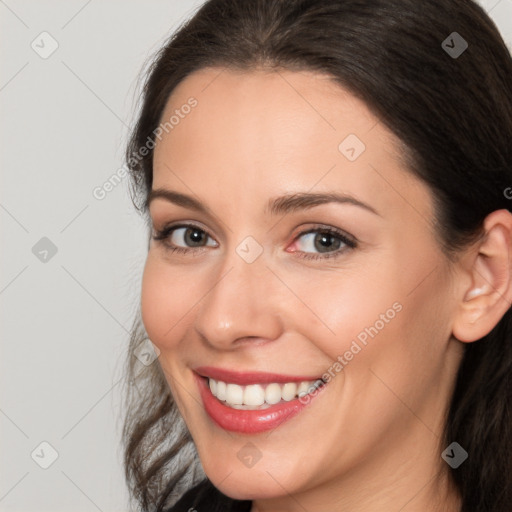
{"points": [[487, 294]]}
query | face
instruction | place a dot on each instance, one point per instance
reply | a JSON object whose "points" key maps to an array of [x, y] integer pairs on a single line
{"points": [[257, 290]]}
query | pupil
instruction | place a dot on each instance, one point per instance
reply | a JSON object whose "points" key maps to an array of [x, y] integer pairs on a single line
{"points": [[196, 236], [325, 240]]}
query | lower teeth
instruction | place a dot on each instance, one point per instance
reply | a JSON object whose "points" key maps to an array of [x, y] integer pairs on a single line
{"points": [[249, 407]]}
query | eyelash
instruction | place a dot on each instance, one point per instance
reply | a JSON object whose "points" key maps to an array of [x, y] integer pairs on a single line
{"points": [[350, 243]]}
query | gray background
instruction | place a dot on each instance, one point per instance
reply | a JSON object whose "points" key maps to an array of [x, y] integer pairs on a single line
{"points": [[65, 316]]}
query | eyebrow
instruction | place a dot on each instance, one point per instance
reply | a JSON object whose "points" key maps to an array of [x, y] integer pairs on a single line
{"points": [[275, 206]]}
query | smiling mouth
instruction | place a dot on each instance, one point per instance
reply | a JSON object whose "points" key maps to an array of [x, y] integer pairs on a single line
{"points": [[254, 402], [260, 396]]}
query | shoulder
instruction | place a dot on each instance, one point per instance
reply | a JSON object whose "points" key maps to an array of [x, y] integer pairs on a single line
{"points": [[205, 496]]}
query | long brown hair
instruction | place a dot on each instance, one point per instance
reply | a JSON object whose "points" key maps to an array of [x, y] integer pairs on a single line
{"points": [[453, 114]]}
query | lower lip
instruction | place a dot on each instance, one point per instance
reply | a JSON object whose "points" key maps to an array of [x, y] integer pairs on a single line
{"points": [[247, 421]]}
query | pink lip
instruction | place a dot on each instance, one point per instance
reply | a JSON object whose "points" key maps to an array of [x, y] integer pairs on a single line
{"points": [[246, 378], [250, 421]]}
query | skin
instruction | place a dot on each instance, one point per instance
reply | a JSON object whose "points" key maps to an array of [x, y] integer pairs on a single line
{"points": [[260, 134]]}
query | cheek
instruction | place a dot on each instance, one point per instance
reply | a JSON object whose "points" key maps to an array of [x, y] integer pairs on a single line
{"points": [[165, 302], [346, 312], [375, 317]]}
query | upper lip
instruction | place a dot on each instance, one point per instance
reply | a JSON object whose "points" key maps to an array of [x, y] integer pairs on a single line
{"points": [[243, 378]]}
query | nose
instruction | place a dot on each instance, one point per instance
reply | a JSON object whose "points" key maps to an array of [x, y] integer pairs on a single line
{"points": [[242, 304]]}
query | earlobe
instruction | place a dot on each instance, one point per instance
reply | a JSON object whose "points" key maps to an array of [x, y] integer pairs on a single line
{"points": [[489, 294]]}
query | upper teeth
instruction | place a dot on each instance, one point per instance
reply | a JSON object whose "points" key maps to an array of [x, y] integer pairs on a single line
{"points": [[255, 395]]}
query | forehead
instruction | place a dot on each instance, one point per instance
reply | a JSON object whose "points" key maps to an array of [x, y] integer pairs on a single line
{"points": [[278, 105], [265, 131]]}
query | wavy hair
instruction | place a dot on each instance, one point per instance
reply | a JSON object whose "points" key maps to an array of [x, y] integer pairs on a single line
{"points": [[453, 115]]}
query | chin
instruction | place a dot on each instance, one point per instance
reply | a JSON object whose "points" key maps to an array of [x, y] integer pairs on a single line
{"points": [[251, 488], [262, 481]]}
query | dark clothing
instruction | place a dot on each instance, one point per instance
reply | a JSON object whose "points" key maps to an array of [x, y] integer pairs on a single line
{"points": [[204, 497]]}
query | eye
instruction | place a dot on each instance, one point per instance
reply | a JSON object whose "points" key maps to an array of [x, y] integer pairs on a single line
{"points": [[329, 242], [183, 238]]}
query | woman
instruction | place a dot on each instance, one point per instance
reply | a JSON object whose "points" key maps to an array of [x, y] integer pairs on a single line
{"points": [[328, 279]]}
